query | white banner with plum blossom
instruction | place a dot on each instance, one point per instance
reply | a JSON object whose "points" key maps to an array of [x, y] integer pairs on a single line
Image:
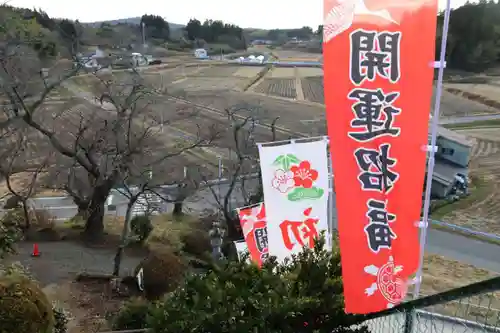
{"points": [[295, 182]]}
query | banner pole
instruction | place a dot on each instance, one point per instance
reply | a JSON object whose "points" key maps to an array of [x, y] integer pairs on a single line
{"points": [[330, 201], [430, 163]]}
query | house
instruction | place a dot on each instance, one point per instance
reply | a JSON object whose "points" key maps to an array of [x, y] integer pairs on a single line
{"points": [[451, 162]]}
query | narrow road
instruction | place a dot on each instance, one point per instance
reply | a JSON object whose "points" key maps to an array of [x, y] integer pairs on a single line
{"points": [[463, 249]]}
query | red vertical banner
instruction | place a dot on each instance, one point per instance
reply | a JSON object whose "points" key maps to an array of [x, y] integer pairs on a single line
{"points": [[378, 72], [254, 226]]}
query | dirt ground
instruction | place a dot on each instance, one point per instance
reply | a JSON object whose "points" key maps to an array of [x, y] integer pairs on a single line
{"points": [[441, 274]]}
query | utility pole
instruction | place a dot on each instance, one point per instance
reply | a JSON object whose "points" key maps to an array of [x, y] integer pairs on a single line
{"points": [[143, 25]]}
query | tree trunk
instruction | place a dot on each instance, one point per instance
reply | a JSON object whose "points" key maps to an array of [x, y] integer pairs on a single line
{"points": [[123, 243], [94, 226], [26, 213], [177, 208]]}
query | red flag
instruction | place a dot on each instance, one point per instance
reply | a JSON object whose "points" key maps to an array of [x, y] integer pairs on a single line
{"points": [[378, 57], [253, 223]]}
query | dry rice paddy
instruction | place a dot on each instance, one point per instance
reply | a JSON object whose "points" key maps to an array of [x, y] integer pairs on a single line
{"points": [[484, 94], [282, 72], [217, 71], [278, 87], [309, 71], [441, 274], [313, 89], [209, 84], [247, 71]]}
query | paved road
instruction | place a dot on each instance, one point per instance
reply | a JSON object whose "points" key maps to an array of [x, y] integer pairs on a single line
{"points": [[60, 261], [467, 250], [453, 246]]}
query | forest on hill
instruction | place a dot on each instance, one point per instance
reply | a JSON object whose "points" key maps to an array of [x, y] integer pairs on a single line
{"points": [[473, 37]]}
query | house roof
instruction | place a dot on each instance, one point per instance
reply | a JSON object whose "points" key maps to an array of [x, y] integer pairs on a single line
{"points": [[445, 172], [453, 136]]}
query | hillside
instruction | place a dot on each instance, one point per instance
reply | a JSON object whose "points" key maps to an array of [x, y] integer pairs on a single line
{"points": [[130, 20]]}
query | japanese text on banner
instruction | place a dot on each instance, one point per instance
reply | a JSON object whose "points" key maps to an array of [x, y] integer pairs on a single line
{"points": [[378, 85], [295, 184]]}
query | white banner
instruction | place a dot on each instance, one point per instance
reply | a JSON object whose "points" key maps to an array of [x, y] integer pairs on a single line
{"points": [[241, 249], [295, 181]]}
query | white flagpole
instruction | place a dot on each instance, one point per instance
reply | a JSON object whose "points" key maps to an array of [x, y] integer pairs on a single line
{"points": [[430, 164]]}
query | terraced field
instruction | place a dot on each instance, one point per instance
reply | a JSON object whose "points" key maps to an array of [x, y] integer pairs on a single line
{"points": [[247, 71], [217, 71], [457, 105], [488, 94], [192, 84], [281, 72], [278, 87], [481, 211], [305, 72], [313, 89]]}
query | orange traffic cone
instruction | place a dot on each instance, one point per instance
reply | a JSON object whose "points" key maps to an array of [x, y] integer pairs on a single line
{"points": [[36, 252]]}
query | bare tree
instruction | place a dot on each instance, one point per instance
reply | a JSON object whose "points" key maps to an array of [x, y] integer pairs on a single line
{"points": [[144, 185], [21, 166], [101, 145], [244, 186]]}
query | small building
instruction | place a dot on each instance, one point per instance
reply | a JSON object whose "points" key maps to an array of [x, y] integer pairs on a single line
{"points": [[451, 162]]}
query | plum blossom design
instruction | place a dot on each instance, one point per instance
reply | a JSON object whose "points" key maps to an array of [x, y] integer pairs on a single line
{"points": [[303, 175], [296, 178], [283, 180]]}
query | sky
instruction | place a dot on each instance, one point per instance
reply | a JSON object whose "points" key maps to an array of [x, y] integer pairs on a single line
{"points": [[265, 14]]}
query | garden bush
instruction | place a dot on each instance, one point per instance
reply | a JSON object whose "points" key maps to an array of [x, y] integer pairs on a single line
{"points": [[132, 315], [12, 202], [24, 308], [141, 227], [304, 296], [196, 242], [10, 233], [60, 320], [163, 271]]}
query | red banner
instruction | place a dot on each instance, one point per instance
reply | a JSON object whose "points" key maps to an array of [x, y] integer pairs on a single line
{"points": [[378, 67], [253, 224]]}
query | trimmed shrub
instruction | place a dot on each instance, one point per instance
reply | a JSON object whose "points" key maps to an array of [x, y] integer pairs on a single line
{"points": [[304, 296], [163, 272], [141, 227], [12, 202], [133, 315], [196, 243], [10, 233], [24, 308], [60, 320]]}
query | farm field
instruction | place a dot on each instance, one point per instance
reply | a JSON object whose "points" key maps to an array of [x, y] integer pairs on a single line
{"points": [[313, 89], [295, 55], [457, 106], [487, 94], [192, 84], [441, 274], [247, 71], [278, 87], [310, 71], [266, 109], [481, 210], [281, 72], [217, 71]]}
